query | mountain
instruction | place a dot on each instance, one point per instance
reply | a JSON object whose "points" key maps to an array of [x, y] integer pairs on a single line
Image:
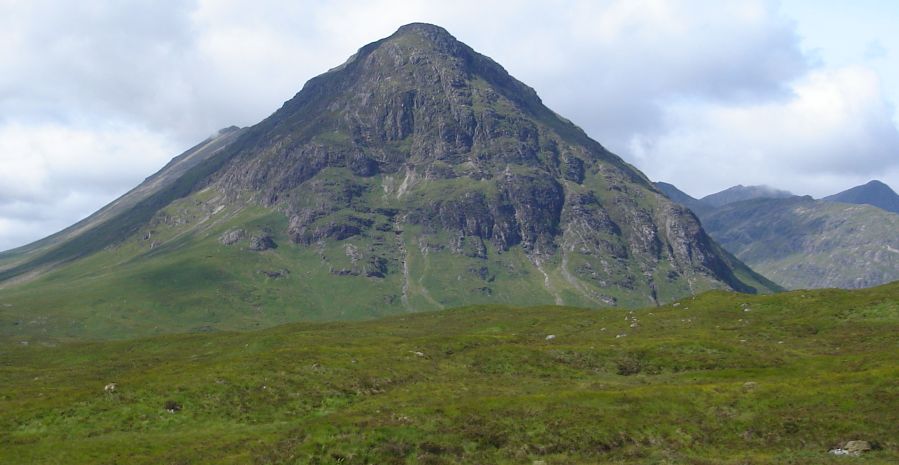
{"points": [[682, 197], [739, 193], [772, 379], [873, 193], [417, 175], [799, 242], [730, 195], [803, 243]]}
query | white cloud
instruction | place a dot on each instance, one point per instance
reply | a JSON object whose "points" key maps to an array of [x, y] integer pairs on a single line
{"points": [[837, 126], [52, 175], [190, 68], [622, 63]]}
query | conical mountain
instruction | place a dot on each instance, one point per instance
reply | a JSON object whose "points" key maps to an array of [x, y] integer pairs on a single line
{"points": [[873, 193], [417, 175]]}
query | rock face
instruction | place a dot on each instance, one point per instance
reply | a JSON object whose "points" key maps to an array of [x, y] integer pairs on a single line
{"points": [[417, 175]]}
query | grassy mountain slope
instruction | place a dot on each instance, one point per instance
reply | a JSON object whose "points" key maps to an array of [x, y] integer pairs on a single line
{"points": [[805, 243], [115, 221], [175, 275], [192, 282], [720, 378]]}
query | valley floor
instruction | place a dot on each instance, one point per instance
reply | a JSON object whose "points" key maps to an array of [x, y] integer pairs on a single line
{"points": [[718, 379]]}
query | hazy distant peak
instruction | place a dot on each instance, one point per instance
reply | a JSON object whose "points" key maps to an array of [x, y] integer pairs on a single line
{"points": [[740, 192], [874, 193], [681, 197]]}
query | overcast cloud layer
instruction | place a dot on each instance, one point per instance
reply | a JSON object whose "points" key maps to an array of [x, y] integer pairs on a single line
{"points": [[97, 95]]}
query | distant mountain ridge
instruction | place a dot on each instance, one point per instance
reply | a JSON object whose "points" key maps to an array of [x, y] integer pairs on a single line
{"points": [[874, 193], [800, 242], [740, 193], [730, 195]]}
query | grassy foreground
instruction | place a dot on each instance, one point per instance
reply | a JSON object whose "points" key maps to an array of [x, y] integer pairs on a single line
{"points": [[719, 379]]}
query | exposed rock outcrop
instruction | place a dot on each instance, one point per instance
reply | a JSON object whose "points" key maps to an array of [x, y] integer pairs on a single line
{"points": [[232, 237], [262, 242]]}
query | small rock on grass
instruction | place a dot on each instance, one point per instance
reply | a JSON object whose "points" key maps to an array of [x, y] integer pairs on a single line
{"points": [[853, 448], [172, 406]]}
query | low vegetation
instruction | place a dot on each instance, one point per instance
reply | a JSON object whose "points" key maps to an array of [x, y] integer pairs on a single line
{"points": [[721, 378]]}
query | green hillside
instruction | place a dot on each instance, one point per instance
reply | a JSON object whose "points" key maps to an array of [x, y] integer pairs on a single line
{"points": [[721, 378], [175, 275]]}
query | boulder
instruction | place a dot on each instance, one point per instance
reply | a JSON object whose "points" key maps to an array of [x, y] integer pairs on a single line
{"points": [[232, 237], [853, 448], [263, 242], [857, 447]]}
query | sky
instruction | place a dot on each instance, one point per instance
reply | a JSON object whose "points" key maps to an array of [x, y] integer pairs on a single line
{"points": [[800, 95]]}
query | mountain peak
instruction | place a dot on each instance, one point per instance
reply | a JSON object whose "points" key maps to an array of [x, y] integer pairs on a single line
{"points": [[879, 185], [419, 174], [424, 29], [740, 192], [428, 92], [424, 37], [873, 192]]}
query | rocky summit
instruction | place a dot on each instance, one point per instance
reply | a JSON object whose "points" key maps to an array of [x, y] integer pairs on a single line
{"points": [[417, 175]]}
